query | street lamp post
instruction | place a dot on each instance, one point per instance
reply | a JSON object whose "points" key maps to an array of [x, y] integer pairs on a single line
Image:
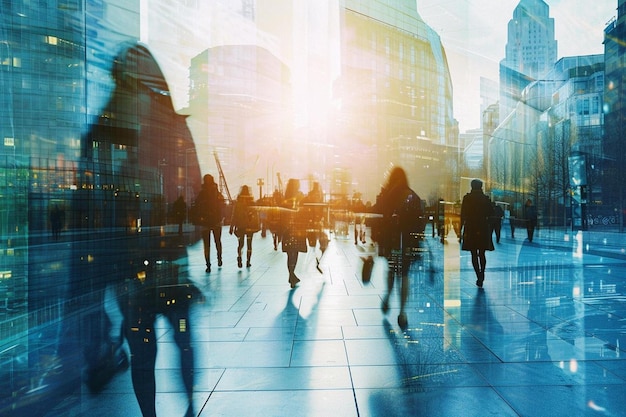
{"points": [[187, 151], [260, 183]]}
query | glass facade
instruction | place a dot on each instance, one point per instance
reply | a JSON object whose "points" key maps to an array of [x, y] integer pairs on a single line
{"points": [[112, 109]]}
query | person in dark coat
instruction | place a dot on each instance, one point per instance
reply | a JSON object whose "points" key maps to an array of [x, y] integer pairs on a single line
{"points": [[244, 224], [210, 204], [496, 220], [179, 210], [530, 215], [476, 210], [400, 233]]}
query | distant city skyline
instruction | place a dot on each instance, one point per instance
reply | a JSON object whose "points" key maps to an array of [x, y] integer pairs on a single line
{"points": [[474, 35]]}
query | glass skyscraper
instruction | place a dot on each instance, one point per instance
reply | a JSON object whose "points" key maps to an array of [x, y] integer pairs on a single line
{"points": [[111, 110]]}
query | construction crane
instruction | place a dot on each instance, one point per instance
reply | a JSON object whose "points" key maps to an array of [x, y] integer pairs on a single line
{"points": [[223, 186]]}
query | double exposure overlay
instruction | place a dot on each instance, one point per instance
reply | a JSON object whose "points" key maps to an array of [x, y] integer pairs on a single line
{"points": [[125, 290]]}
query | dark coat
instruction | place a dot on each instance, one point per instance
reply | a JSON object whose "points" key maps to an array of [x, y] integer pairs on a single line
{"points": [[209, 207], [402, 221], [476, 209]]}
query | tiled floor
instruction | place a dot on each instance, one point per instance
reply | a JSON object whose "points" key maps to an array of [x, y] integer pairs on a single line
{"points": [[545, 337]]}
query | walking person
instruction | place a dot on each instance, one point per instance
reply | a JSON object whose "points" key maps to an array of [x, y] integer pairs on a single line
{"points": [[293, 229], [179, 209], [476, 210], [208, 210], [244, 224], [530, 215], [399, 233], [496, 220]]}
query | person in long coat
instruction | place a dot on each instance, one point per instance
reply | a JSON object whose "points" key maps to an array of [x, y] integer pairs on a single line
{"points": [[210, 204], [398, 234], [476, 210]]}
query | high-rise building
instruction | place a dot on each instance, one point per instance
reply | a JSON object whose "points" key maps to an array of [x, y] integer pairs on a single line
{"points": [[92, 150], [394, 83], [531, 50], [614, 110], [99, 101]]}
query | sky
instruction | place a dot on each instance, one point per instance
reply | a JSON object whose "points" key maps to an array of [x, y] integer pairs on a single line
{"points": [[474, 35]]}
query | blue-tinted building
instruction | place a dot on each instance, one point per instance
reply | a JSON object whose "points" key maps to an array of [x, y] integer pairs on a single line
{"points": [[110, 111]]}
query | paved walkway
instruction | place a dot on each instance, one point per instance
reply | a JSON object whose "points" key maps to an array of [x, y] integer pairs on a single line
{"points": [[544, 336]]}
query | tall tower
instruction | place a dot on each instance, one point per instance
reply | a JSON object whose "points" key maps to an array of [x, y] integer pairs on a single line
{"points": [[530, 53], [614, 110]]}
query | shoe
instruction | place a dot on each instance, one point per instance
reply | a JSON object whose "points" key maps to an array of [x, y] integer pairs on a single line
{"points": [[248, 264], [385, 306], [403, 322], [480, 280], [293, 280], [219, 262], [208, 268], [239, 262]]}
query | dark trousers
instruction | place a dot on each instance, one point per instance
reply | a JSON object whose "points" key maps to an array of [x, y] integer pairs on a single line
{"points": [[217, 238]]}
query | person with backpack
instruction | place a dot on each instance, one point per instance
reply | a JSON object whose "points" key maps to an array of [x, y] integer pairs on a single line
{"points": [[244, 224], [400, 231], [208, 210]]}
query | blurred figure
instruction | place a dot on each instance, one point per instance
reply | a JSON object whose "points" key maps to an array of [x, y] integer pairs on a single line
{"points": [[244, 223], [179, 210], [208, 214], [315, 217], [57, 219], [530, 215], [156, 291], [399, 233], [496, 220], [476, 210], [139, 267], [273, 218], [293, 229], [314, 212]]}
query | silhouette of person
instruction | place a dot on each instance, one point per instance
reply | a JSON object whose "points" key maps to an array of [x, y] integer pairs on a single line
{"points": [[315, 217], [140, 267], [476, 211], [244, 224], [152, 295], [293, 229], [57, 218], [209, 204], [314, 211], [273, 218], [179, 210], [496, 220], [399, 233], [530, 215]]}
